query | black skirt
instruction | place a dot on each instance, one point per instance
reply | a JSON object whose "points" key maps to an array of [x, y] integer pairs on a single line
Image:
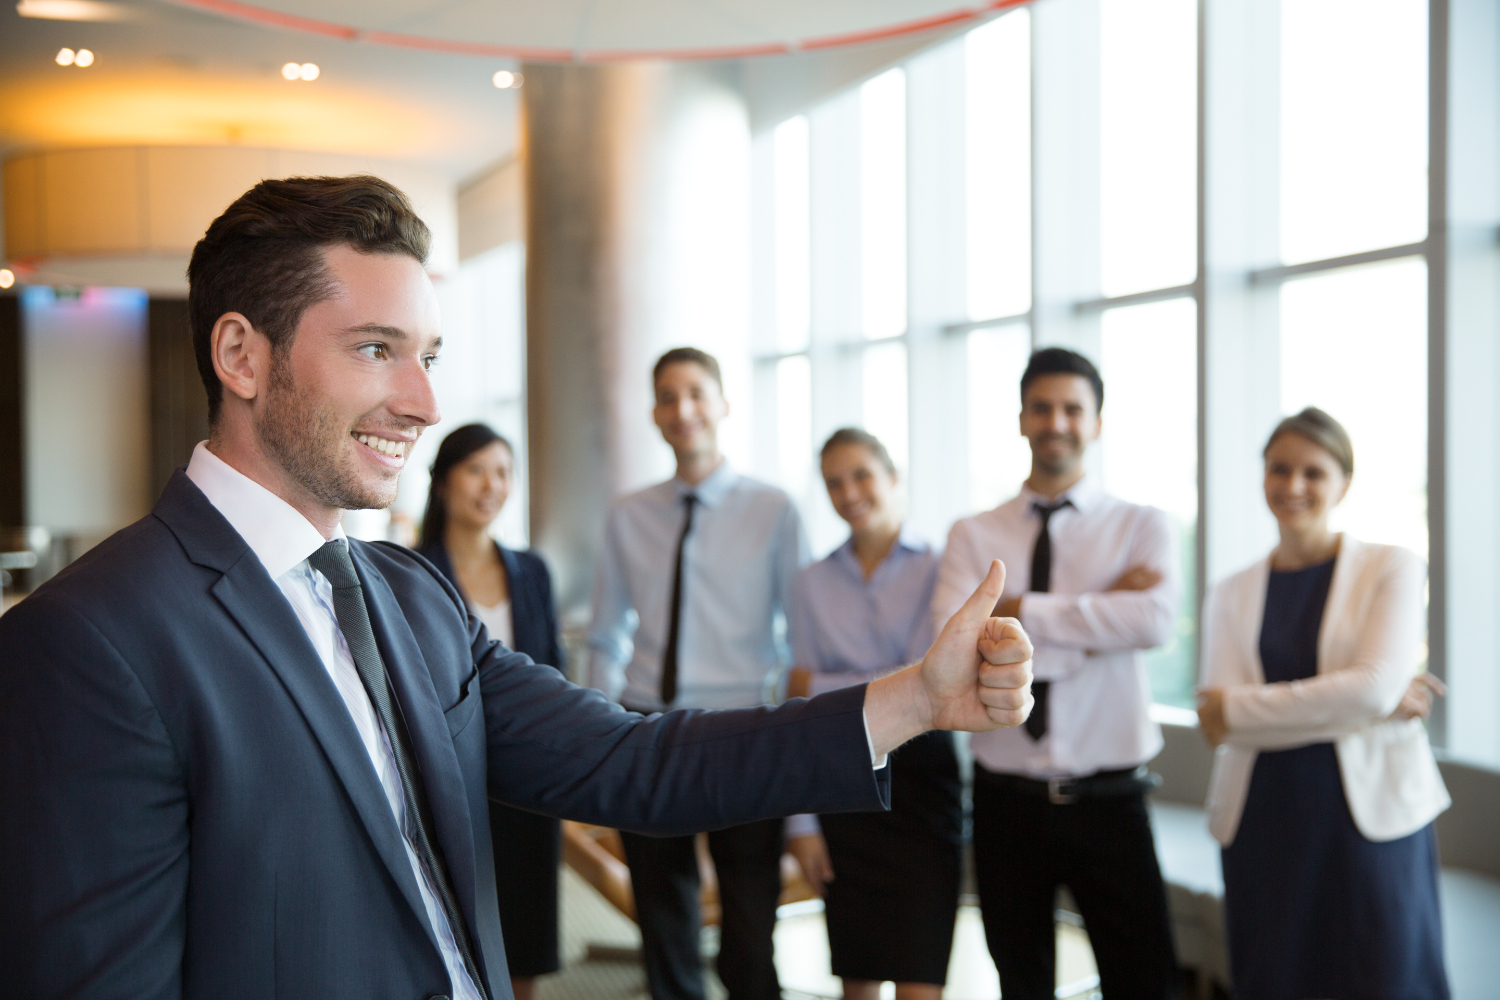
{"points": [[528, 850], [894, 896], [1316, 910]]}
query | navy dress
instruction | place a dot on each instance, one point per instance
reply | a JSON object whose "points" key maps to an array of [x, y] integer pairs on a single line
{"points": [[527, 847], [1313, 908]]}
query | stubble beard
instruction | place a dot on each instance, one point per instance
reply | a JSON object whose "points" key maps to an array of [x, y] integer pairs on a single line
{"points": [[311, 444], [1057, 465]]}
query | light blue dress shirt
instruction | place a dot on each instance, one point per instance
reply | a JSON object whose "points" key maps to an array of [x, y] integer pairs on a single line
{"points": [[849, 630], [739, 564]]}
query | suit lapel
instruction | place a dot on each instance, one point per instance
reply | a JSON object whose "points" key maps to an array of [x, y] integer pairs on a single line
{"points": [[432, 744], [254, 601], [521, 613], [249, 596], [1347, 569]]}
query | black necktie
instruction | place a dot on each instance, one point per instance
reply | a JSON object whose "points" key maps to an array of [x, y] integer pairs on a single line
{"points": [[1041, 582], [669, 654], [333, 561]]}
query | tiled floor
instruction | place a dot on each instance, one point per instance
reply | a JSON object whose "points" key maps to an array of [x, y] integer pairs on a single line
{"points": [[601, 949]]}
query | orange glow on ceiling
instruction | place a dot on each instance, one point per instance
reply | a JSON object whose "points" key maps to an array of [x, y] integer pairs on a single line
{"points": [[173, 108]]}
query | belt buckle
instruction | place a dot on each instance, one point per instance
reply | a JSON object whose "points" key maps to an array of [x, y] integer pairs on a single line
{"points": [[1055, 793]]}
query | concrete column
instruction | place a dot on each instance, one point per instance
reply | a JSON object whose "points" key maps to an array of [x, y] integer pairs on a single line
{"points": [[637, 228]]}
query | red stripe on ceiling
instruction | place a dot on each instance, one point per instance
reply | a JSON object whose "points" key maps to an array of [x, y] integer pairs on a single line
{"points": [[274, 18], [892, 31], [294, 22]]}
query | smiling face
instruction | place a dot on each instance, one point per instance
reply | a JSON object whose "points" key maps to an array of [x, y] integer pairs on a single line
{"points": [[1304, 482], [1060, 418], [345, 402], [476, 489], [860, 487], [689, 405]]}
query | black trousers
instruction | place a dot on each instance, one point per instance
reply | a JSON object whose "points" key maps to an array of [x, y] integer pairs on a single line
{"points": [[1103, 851], [664, 876]]}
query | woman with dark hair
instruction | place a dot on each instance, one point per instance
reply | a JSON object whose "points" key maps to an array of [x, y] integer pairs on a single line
{"points": [[889, 880], [511, 593], [1324, 787]]}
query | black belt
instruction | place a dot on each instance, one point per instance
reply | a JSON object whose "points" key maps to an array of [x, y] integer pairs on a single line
{"points": [[1066, 791]]}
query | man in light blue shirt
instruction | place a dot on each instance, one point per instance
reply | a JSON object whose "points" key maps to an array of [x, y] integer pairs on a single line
{"points": [[694, 576]]}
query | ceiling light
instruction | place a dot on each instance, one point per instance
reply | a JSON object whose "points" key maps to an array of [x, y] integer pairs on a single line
{"points": [[83, 58], [7, 277], [76, 10], [292, 71], [506, 80], [65, 57], [309, 71]]}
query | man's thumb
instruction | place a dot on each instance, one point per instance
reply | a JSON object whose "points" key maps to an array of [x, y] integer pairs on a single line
{"points": [[982, 602]]}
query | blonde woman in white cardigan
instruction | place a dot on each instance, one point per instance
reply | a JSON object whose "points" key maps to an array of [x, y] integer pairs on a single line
{"points": [[1324, 787]]}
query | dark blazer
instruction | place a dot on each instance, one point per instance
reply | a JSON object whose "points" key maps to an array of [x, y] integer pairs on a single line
{"points": [[188, 810], [532, 610]]}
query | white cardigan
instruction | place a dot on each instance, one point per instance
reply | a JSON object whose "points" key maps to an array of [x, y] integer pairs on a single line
{"points": [[1367, 655]]}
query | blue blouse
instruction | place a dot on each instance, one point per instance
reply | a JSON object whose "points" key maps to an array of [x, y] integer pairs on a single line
{"points": [[848, 630]]}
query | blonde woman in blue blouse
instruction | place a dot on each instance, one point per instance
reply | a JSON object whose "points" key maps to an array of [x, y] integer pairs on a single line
{"points": [[890, 880]]}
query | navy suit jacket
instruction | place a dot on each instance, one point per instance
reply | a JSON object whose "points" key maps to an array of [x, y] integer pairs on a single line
{"points": [[188, 811], [533, 613]]}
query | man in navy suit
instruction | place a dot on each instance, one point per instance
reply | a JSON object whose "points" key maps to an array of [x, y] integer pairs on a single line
{"points": [[246, 757]]}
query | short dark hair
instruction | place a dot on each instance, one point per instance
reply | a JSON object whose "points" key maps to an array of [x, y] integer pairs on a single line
{"points": [[263, 256], [860, 438], [1322, 430], [681, 355], [1061, 361], [457, 446]]}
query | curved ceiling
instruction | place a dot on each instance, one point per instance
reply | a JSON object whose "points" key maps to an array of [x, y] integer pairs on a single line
{"points": [[604, 30]]}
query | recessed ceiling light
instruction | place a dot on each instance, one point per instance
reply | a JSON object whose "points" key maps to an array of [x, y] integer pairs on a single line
{"points": [[309, 71], [7, 277], [65, 57], [83, 58], [292, 71], [76, 10], [506, 80]]}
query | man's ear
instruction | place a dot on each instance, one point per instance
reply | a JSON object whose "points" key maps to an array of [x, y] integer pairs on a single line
{"points": [[241, 355]]}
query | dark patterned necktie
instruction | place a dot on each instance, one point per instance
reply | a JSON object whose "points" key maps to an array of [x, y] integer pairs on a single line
{"points": [[1041, 582], [669, 654], [333, 561]]}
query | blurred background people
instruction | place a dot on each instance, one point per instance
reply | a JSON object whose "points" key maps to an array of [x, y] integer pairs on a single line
{"points": [[1323, 799], [693, 576], [890, 880], [1094, 580], [511, 593]]}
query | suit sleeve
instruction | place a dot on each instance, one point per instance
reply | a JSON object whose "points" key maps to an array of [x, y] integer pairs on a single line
{"points": [[565, 751], [94, 841], [1328, 705]]}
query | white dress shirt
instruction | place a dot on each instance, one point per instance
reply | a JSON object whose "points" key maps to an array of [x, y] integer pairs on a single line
{"points": [[739, 565], [283, 539], [1088, 640], [497, 620]]}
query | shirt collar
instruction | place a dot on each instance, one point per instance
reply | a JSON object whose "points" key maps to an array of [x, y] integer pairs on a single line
{"points": [[278, 535], [1082, 494], [908, 541], [713, 489]]}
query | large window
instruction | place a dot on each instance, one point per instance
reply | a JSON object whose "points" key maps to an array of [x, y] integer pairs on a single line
{"points": [[1042, 180]]}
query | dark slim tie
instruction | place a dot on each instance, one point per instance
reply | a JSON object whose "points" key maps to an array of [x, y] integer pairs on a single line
{"points": [[1041, 582], [669, 654], [333, 561]]}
